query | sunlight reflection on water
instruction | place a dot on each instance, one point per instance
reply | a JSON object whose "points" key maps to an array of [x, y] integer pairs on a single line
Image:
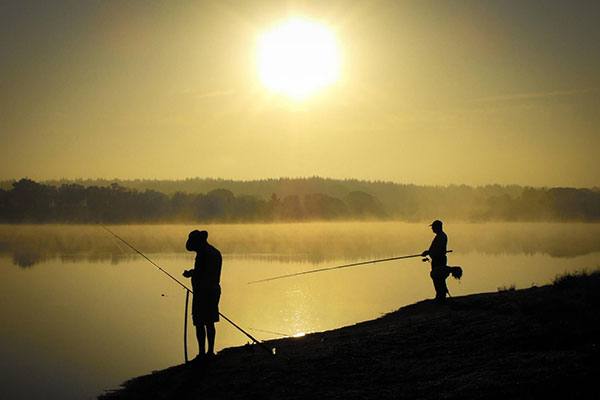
{"points": [[86, 315]]}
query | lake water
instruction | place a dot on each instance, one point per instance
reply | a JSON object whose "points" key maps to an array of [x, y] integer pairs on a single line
{"points": [[81, 312]]}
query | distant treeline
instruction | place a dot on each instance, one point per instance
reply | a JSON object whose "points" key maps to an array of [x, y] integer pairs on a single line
{"points": [[285, 199]]}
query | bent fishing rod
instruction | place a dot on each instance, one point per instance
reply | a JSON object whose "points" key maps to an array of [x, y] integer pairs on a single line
{"points": [[270, 351], [312, 271]]}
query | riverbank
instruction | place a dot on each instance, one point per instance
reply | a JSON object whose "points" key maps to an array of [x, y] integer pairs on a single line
{"points": [[534, 343]]}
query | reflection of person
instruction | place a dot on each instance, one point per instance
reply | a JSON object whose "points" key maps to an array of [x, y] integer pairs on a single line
{"points": [[205, 276], [437, 252]]}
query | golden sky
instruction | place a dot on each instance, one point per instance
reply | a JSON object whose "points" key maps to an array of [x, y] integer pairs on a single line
{"points": [[429, 92]]}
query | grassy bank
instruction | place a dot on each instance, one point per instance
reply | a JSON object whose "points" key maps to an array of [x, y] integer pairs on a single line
{"points": [[536, 343]]}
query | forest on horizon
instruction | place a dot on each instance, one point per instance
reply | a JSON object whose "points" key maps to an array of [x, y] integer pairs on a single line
{"points": [[284, 200]]}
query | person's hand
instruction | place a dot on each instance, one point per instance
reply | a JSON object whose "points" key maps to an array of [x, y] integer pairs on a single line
{"points": [[187, 273], [425, 253]]}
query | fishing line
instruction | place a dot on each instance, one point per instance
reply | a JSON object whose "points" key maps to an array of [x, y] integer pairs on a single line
{"points": [[271, 332], [112, 239], [312, 271], [270, 351], [152, 262]]}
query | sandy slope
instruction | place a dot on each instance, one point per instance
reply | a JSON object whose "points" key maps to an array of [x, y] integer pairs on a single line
{"points": [[536, 343]]}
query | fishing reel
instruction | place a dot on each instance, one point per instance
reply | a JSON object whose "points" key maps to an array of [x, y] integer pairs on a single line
{"points": [[425, 259]]}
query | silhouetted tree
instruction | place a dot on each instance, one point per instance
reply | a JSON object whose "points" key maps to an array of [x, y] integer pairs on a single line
{"points": [[154, 206], [71, 203], [361, 204], [292, 208], [29, 201], [321, 206]]}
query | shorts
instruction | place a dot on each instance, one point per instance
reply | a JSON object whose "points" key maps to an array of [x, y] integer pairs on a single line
{"points": [[205, 305]]}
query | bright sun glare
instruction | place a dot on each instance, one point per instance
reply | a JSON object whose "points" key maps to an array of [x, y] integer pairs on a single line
{"points": [[297, 58]]}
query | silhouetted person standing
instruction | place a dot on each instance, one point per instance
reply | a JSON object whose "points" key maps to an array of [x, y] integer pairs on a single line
{"points": [[206, 277], [437, 252]]}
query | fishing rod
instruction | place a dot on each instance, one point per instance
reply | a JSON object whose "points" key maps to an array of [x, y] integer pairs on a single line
{"points": [[312, 271], [270, 351]]}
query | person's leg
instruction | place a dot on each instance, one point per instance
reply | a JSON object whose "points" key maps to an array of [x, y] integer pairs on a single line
{"points": [[434, 279], [200, 336], [211, 332], [440, 288]]}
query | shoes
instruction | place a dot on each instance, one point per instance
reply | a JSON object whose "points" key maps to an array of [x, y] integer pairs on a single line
{"points": [[199, 358], [203, 358]]}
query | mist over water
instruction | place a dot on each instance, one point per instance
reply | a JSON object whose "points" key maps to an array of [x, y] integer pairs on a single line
{"points": [[82, 312], [314, 242]]}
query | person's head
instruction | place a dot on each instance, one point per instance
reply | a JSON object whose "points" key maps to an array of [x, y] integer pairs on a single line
{"points": [[195, 240], [436, 226]]}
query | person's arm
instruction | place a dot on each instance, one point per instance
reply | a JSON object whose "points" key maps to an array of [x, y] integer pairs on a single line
{"points": [[430, 250]]}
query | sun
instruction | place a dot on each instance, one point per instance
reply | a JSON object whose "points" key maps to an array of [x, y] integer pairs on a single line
{"points": [[297, 58]]}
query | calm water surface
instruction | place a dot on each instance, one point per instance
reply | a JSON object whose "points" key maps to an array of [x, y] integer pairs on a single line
{"points": [[82, 313]]}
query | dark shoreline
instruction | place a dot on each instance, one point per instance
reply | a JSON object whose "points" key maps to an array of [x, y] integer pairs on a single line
{"points": [[533, 343]]}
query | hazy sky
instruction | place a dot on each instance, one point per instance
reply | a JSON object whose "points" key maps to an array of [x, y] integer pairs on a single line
{"points": [[430, 92]]}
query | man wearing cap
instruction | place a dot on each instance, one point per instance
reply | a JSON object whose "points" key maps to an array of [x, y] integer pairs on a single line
{"points": [[437, 252], [206, 277]]}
